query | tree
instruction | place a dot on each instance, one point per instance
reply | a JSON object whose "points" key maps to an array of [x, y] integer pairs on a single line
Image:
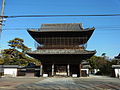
{"points": [[1, 60], [93, 62], [101, 63], [17, 43], [16, 53]]}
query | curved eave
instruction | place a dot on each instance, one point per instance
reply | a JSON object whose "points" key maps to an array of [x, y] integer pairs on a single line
{"points": [[62, 58], [59, 31], [82, 33]]}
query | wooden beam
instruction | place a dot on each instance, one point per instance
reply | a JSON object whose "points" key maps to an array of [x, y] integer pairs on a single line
{"points": [[80, 69]]}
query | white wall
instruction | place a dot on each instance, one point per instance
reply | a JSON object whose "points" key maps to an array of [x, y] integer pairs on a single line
{"points": [[117, 73], [10, 72]]}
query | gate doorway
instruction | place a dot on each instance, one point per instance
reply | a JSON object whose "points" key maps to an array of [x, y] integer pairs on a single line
{"points": [[61, 70]]}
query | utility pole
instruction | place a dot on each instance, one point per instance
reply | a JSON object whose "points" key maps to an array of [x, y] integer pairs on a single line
{"points": [[1, 20], [2, 14]]}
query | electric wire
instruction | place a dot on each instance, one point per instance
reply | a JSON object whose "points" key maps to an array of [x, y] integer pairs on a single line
{"points": [[17, 16], [19, 28]]}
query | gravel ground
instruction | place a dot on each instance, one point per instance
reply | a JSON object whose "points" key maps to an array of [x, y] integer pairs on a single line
{"points": [[60, 83], [7, 83]]}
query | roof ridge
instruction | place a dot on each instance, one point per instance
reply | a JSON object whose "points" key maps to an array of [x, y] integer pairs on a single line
{"points": [[60, 23]]}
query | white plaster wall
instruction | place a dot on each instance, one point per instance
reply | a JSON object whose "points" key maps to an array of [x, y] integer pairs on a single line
{"points": [[117, 73], [10, 72]]}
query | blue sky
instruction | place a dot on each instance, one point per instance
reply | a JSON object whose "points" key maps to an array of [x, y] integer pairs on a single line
{"points": [[105, 39]]}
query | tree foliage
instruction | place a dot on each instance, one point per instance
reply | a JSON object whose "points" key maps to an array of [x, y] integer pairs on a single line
{"points": [[101, 63], [17, 43], [1, 60], [15, 55]]}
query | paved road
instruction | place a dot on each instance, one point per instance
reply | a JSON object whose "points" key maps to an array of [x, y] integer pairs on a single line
{"points": [[7, 83], [93, 83], [98, 83], [52, 83], [58, 83]]}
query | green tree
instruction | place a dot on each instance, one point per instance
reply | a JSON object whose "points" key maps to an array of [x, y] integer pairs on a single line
{"points": [[1, 60], [17, 43], [101, 63], [93, 62], [16, 53]]}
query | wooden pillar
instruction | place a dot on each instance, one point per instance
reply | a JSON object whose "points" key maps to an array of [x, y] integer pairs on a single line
{"points": [[68, 70], [52, 69], [41, 70], [80, 69]]}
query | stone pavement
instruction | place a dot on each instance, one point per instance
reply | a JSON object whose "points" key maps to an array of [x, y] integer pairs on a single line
{"points": [[68, 83]]}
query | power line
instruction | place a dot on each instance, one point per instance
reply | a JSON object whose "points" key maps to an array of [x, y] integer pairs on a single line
{"points": [[19, 28], [98, 15]]}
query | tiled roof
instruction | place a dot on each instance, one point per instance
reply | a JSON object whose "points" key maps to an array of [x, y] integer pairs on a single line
{"points": [[64, 26], [61, 51], [86, 66], [9, 66], [115, 66]]}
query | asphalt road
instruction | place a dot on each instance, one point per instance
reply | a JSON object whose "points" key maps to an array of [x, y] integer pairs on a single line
{"points": [[61, 83]]}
